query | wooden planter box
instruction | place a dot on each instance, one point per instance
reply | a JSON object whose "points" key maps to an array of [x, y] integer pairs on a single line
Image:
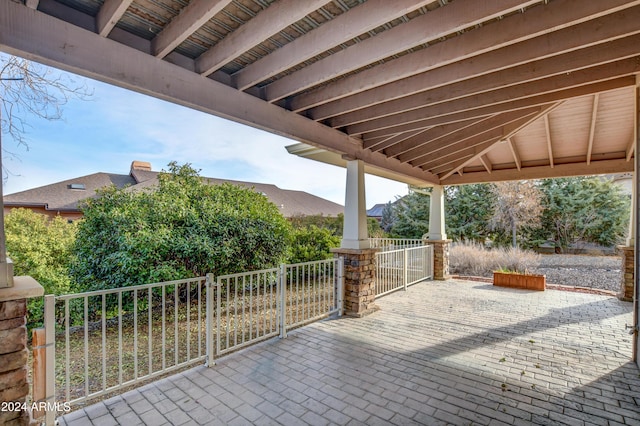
{"points": [[523, 281]]}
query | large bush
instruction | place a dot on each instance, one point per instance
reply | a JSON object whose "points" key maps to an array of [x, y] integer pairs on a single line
{"points": [[181, 228], [40, 248], [312, 243]]}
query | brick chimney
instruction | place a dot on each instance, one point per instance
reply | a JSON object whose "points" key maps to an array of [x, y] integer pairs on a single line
{"points": [[141, 165]]}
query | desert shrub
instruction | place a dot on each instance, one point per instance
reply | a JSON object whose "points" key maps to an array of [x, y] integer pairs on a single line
{"points": [[473, 259]]}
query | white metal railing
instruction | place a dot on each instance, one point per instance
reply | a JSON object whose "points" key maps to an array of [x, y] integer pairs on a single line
{"points": [[398, 269], [246, 309], [389, 244], [312, 290], [255, 306], [113, 338]]}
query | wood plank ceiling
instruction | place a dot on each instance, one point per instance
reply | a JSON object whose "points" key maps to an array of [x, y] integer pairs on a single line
{"points": [[444, 92]]}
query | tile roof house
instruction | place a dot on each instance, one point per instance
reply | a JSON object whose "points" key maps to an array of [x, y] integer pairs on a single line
{"points": [[62, 198]]}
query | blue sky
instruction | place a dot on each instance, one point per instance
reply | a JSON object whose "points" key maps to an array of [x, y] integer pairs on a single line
{"points": [[117, 126]]}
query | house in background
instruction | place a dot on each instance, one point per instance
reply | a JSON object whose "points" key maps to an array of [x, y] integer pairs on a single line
{"points": [[63, 198], [376, 211]]}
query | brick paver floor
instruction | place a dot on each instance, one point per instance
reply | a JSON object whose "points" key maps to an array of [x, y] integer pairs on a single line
{"points": [[455, 352]]}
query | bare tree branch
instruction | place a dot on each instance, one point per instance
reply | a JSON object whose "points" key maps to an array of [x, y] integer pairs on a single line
{"points": [[28, 90]]}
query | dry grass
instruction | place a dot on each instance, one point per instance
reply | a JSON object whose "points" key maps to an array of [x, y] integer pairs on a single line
{"points": [[473, 259]]}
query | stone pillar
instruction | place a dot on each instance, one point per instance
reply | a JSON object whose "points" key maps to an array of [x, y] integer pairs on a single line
{"points": [[354, 233], [359, 280], [14, 386], [627, 278], [440, 259]]}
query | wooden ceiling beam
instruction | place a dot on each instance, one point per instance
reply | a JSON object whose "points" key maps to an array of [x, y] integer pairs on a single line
{"points": [[434, 121], [448, 163], [443, 21], [383, 143], [510, 30], [268, 22], [509, 131], [540, 172], [547, 55], [51, 41], [549, 140], [526, 73], [483, 112], [514, 151], [532, 89], [486, 163], [592, 127], [190, 19], [342, 28], [109, 15], [434, 134], [492, 129], [630, 149]]}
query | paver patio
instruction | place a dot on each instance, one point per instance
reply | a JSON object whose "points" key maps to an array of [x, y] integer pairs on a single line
{"points": [[454, 352]]}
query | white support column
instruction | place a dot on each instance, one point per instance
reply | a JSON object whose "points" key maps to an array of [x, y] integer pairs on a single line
{"points": [[631, 236], [436, 214], [354, 233]]}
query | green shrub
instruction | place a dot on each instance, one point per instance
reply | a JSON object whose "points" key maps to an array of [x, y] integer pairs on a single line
{"points": [[181, 228], [41, 248], [312, 243]]}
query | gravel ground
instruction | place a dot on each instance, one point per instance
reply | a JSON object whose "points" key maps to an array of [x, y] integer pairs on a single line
{"points": [[597, 272]]}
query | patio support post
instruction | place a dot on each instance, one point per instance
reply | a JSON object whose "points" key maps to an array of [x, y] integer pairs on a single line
{"points": [[628, 280], [359, 258], [636, 255], [437, 236], [14, 385], [627, 252], [354, 233]]}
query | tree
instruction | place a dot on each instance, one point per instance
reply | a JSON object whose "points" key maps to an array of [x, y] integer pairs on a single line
{"points": [[30, 89], [410, 216], [584, 209], [182, 228], [517, 205], [468, 211], [41, 248]]}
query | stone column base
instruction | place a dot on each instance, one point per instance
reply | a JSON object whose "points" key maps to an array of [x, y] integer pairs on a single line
{"points": [[440, 258], [14, 386], [627, 281], [359, 280]]}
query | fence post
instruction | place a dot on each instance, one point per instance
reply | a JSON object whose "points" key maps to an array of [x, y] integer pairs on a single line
{"points": [[340, 289], [405, 261], [50, 358], [209, 318], [282, 300]]}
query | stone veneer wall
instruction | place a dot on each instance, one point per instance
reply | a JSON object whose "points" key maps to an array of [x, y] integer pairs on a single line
{"points": [[359, 280], [440, 258], [627, 279], [14, 386]]}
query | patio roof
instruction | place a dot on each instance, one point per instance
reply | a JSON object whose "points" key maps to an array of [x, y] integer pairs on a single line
{"points": [[426, 92]]}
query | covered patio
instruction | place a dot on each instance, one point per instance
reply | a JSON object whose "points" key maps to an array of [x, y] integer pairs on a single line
{"points": [[430, 93], [443, 352]]}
